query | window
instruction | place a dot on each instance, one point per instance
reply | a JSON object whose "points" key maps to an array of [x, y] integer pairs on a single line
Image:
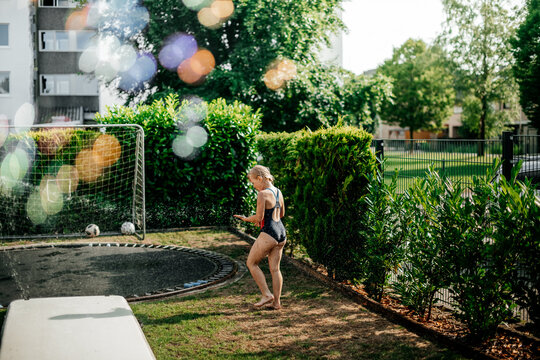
{"points": [[4, 34], [53, 40], [68, 85], [58, 3], [4, 82]]}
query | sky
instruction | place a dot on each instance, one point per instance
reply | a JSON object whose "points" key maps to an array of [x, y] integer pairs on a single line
{"points": [[376, 27]]}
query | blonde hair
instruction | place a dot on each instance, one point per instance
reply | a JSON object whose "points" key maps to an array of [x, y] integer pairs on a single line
{"points": [[262, 171]]}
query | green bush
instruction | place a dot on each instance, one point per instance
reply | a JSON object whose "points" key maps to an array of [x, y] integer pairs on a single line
{"points": [[382, 233], [205, 188], [431, 219], [325, 185], [517, 230]]}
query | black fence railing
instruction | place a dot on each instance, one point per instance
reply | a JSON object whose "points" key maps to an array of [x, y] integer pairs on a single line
{"points": [[459, 160]]}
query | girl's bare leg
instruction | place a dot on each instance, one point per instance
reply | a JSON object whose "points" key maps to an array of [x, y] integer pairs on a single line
{"points": [[274, 260], [262, 247]]}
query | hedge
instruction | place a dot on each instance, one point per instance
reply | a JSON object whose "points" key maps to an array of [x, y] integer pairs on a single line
{"points": [[208, 186], [322, 175]]}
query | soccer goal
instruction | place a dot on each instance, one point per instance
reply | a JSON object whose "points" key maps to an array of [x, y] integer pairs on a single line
{"points": [[57, 179]]}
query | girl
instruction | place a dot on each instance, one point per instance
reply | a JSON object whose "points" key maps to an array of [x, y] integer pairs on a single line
{"points": [[271, 240]]}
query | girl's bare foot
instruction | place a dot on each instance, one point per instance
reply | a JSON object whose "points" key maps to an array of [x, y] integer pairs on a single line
{"points": [[265, 300], [276, 306]]}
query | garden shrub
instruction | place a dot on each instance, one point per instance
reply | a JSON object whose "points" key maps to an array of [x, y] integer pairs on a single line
{"points": [[517, 231], [382, 233], [431, 208], [325, 187], [207, 187]]}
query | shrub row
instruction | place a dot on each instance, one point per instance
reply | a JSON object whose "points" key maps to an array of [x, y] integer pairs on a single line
{"points": [[482, 244], [207, 186]]}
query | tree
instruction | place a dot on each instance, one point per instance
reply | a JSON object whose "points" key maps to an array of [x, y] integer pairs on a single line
{"points": [[526, 51], [422, 87], [476, 35], [258, 35], [322, 95], [496, 120]]}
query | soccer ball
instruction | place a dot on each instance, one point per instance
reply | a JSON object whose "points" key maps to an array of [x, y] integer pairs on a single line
{"points": [[92, 230], [127, 228]]}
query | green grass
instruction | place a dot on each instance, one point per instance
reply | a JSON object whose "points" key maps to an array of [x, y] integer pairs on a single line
{"points": [[315, 323], [457, 166]]}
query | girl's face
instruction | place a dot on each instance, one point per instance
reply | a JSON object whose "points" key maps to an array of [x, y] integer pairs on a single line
{"points": [[256, 181]]}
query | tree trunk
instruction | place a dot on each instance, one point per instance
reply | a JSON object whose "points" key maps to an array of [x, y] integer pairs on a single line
{"points": [[411, 132], [483, 117]]}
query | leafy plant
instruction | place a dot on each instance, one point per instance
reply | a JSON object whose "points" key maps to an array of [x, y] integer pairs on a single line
{"points": [[381, 233], [432, 225]]}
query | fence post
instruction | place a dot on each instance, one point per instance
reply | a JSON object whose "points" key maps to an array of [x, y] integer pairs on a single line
{"points": [[379, 153], [507, 154]]}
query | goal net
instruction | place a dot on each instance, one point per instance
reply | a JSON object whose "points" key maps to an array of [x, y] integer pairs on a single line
{"points": [[55, 180]]}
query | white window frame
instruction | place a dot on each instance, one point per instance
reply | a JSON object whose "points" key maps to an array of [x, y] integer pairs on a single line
{"points": [[67, 85], [5, 46], [9, 85], [72, 40], [59, 4]]}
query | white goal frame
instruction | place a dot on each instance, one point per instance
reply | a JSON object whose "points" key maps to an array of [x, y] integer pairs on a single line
{"points": [[138, 208]]}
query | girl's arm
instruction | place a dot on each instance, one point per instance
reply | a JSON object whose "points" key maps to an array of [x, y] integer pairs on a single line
{"points": [[282, 206], [257, 218]]}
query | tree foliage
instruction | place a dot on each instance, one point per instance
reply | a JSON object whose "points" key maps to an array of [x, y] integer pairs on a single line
{"points": [[422, 87], [476, 35], [526, 50], [257, 34]]}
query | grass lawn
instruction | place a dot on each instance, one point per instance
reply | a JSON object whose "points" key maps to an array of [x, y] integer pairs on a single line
{"points": [[457, 166], [315, 323]]}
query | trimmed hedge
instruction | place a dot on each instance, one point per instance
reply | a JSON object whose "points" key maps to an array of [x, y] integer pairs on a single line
{"points": [[207, 187], [322, 175]]}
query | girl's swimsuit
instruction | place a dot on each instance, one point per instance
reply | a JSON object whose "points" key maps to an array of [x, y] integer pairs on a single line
{"points": [[275, 229]]}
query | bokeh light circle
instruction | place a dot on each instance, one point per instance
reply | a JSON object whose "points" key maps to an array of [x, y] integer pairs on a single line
{"points": [[197, 136], [208, 18], [77, 20], [88, 165], [273, 79], [197, 5], [107, 148], [88, 59], [52, 200], [182, 147], [222, 8], [124, 58], [176, 49], [34, 209], [67, 179], [24, 117]]}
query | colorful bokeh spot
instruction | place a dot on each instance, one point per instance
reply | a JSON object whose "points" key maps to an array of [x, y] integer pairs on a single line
{"points": [[108, 150], [279, 73], [194, 70]]}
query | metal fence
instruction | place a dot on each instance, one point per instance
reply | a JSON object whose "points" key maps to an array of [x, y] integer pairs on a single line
{"points": [[459, 160]]}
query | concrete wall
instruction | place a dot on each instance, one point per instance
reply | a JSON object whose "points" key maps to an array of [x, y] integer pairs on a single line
{"points": [[18, 56]]}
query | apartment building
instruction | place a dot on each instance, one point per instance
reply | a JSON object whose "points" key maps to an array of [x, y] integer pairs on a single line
{"points": [[63, 92], [16, 57]]}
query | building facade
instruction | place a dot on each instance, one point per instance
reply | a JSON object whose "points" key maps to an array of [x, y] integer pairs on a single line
{"points": [[63, 92], [17, 60]]}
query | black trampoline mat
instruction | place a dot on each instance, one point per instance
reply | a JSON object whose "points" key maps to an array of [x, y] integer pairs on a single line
{"points": [[92, 270]]}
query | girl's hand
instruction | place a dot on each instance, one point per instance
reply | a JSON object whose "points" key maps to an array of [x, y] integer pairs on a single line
{"points": [[241, 217]]}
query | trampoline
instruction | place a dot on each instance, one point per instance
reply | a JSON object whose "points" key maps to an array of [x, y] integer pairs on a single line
{"points": [[134, 271]]}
